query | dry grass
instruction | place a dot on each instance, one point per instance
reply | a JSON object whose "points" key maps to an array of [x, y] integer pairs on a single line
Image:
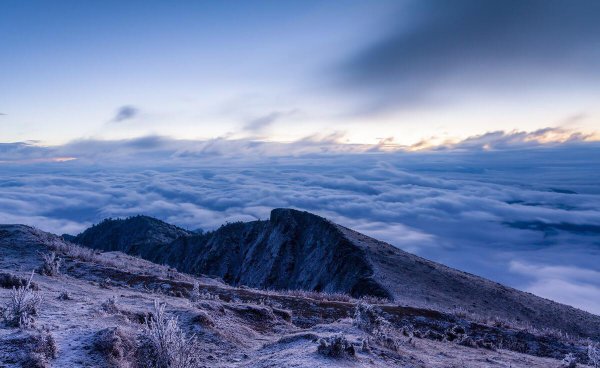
{"points": [[164, 344], [23, 306], [51, 264], [75, 251]]}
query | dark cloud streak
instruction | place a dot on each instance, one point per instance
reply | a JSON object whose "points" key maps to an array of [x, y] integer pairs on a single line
{"points": [[124, 113], [472, 43]]}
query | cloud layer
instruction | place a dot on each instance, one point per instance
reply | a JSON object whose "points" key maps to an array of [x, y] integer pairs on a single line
{"points": [[526, 216]]}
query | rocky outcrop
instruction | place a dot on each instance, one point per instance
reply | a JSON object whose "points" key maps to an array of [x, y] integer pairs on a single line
{"points": [[292, 250]]}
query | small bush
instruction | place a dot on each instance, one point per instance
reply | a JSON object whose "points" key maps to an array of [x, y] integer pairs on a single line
{"points": [[64, 295], [39, 350], [117, 346], [9, 281], [164, 344], [369, 319], [23, 306], [51, 265], [197, 295], [336, 346], [569, 361], [110, 306], [594, 355], [366, 317]]}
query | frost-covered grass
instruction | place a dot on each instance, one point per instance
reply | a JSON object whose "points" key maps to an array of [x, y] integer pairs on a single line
{"points": [[594, 354], [39, 350], [117, 346], [51, 264], [164, 344], [336, 346], [23, 306], [74, 251]]}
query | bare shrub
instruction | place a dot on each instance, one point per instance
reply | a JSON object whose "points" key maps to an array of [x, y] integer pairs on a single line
{"points": [[9, 281], [51, 265], [117, 346], [594, 355], [39, 350], [64, 295], [105, 284], [23, 305], [164, 344], [569, 361], [336, 346], [366, 317], [369, 319], [110, 306], [197, 295]]}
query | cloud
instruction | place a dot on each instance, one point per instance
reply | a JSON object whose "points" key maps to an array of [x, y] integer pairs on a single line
{"points": [[565, 284], [436, 46], [262, 122], [126, 112], [501, 140]]}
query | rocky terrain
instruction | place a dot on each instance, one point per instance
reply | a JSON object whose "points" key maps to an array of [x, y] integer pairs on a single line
{"points": [[91, 308]]}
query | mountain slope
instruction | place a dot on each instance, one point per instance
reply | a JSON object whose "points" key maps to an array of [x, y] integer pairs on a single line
{"points": [[93, 311], [299, 250]]}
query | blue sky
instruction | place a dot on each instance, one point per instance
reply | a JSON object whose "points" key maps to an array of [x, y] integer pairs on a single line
{"points": [[404, 71], [465, 131]]}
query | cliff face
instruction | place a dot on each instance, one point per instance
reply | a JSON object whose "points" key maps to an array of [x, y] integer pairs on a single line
{"points": [[299, 250], [292, 250]]}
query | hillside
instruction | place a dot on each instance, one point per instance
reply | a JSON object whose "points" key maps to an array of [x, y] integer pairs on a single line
{"points": [[300, 250], [93, 309]]}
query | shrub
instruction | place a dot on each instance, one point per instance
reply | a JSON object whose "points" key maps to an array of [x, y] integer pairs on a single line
{"points": [[117, 346], [8, 281], [51, 265], [110, 305], [366, 317], [336, 346], [197, 295], [569, 361], [594, 355], [39, 349], [24, 304], [64, 295], [164, 344]]}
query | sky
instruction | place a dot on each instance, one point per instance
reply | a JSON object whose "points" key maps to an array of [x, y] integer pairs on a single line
{"points": [[401, 71], [464, 131]]}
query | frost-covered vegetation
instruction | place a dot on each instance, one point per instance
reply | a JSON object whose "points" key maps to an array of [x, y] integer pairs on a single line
{"points": [[164, 344], [23, 306], [51, 264], [336, 346], [594, 354]]}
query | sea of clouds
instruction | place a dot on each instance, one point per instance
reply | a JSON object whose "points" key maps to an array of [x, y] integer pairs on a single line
{"points": [[526, 216]]}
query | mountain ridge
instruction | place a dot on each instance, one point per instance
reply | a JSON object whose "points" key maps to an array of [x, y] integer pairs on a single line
{"points": [[299, 250]]}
